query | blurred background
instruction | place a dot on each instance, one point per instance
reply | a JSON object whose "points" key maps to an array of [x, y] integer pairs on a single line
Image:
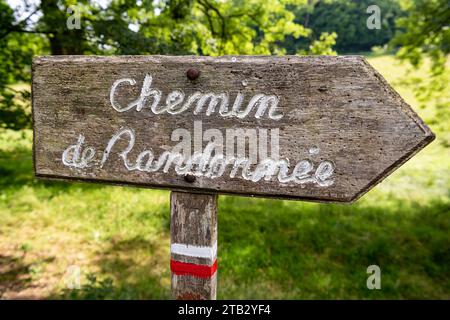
{"points": [[87, 241]]}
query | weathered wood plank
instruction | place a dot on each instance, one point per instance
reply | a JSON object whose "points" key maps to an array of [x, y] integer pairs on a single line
{"points": [[332, 113], [193, 240]]}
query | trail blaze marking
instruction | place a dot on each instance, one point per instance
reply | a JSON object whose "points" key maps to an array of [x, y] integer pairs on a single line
{"points": [[194, 251], [191, 269], [194, 269]]}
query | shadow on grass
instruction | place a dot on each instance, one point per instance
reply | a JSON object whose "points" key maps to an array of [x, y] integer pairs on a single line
{"points": [[16, 275], [279, 249], [129, 269], [289, 250], [16, 172]]}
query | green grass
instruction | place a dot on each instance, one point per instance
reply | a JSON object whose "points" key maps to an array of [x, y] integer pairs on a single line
{"points": [[274, 249]]}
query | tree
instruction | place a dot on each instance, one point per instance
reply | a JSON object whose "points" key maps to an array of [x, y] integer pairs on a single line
{"points": [[425, 31], [16, 52], [425, 34], [347, 18]]}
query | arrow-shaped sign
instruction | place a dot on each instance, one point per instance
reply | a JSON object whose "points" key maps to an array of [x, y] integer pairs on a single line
{"points": [[312, 128]]}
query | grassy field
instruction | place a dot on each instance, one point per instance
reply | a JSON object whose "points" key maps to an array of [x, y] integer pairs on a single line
{"points": [[118, 238]]}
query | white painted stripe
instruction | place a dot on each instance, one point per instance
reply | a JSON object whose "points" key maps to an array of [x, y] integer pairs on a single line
{"points": [[194, 251]]}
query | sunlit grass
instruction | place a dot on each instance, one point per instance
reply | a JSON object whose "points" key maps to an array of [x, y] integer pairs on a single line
{"points": [[267, 248]]}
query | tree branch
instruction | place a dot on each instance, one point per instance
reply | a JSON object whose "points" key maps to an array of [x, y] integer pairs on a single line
{"points": [[13, 27]]}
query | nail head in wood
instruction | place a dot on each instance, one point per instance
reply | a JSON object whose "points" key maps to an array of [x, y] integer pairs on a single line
{"points": [[189, 178], [193, 73]]}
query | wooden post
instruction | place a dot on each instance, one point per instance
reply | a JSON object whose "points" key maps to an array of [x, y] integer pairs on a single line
{"points": [[193, 245]]}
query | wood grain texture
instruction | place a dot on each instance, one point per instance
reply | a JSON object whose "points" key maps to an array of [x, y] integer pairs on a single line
{"points": [[340, 105], [194, 223]]}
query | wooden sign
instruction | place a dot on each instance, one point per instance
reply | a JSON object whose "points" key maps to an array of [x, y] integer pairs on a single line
{"points": [[312, 128]]}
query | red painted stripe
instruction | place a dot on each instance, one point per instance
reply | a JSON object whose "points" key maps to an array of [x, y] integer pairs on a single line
{"points": [[197, 270]]}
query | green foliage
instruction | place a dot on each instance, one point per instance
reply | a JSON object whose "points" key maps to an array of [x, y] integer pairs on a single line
{"points": [[204, 27], [14, 108], [324, 45], [347, 19], [425, 34], [16, 52], [246, 27], [425, 31]]}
